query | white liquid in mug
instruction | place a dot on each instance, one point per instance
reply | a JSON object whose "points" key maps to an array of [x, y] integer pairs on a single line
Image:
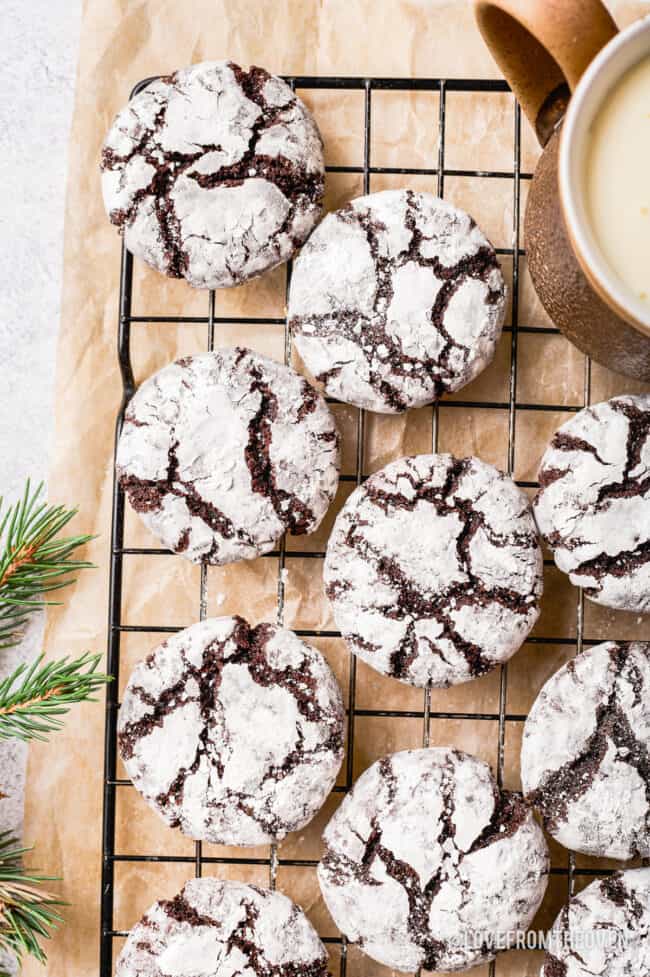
{"points": [[618, 179]]}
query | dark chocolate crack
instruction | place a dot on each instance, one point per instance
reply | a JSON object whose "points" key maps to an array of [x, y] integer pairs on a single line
{"points": [[371, 332], [637, 436], [563, 786], [510, 812], [411, 602], [146, 495], [563, 441], [340, 867], [169, 699], [241, 937], [633, 482], [615, 890], [620, 564], [553, 967], [549, 475], [591, 913], [419, 901], [378, 858], [214, 743], [181, 911], [290, 510], [301, 187], [264, 406]]}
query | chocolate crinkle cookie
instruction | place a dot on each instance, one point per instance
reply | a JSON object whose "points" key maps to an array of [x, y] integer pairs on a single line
{"points": [[593, 505], [233, 734], [585, 756], [434, 570], [216, 928], [427, 864], [214, 174], [220, 453], [396, 299], [604, 931]]}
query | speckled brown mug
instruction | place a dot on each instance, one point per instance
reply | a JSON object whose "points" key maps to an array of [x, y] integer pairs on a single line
{"points": [[562, 58]]}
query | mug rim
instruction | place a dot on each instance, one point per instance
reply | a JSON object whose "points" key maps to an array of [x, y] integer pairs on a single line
{"points": [[601, 277]]}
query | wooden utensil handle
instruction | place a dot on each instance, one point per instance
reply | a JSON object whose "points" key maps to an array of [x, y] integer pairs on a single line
{"points": [[542, 48]]}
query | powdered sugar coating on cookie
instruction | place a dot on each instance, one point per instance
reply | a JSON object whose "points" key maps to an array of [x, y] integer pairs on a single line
{"points": [[603, 931], [216, 928], [434, 570], [233, 734], [396, 299], [585, 755], [593, 506], [427, 864], [222, 452], [214, 174]]}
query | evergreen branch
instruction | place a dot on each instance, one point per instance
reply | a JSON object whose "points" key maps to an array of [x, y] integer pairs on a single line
{"points": [[28, 912], [34, 697], [34, 560]]}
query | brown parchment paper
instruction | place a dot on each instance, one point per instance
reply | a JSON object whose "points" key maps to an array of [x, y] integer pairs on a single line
{"points": [[123, 41]]}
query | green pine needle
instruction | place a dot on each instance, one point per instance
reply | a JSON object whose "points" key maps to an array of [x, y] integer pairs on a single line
{"points": [[28, 912], [34, 697], [33, 561]]}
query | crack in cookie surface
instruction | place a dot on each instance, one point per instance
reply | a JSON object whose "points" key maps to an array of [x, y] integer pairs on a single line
{"points": [[433, 569], [232, 733], [220, 928], [214, 174], [407, 865], [396, 299], [221, 453], [593, 506], [585, 756], [603, 932]]}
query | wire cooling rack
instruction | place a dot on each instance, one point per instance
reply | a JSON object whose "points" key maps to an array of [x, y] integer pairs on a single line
{"points": [[437, 174]]}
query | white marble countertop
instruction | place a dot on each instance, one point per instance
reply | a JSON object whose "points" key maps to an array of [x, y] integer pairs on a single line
{"points": [[37, 72]]}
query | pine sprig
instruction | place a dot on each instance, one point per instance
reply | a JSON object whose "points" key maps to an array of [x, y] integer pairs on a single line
{"points": [[33, 698], [33, 561], [28, 912]]}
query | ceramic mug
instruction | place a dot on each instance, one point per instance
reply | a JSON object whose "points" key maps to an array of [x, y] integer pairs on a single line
{"points": [[562, 59]]}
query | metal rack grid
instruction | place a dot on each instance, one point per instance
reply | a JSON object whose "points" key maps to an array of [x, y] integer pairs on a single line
{"points": [[212, 321]]}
